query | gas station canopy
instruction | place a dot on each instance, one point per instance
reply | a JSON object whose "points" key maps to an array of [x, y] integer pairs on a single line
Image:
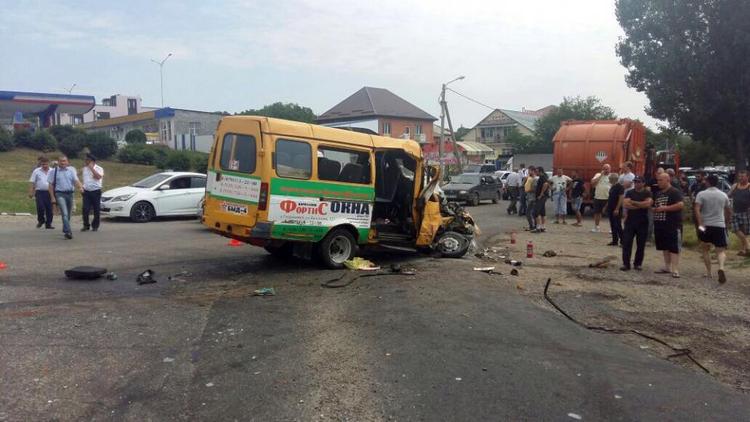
{"points": [[42, 105]]}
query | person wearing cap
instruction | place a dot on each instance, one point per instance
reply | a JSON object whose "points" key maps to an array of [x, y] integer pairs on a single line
{"points": [[93, 175], [638, 203]]}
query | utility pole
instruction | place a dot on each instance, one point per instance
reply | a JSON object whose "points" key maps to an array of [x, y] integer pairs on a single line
{"points": [[71, 88], [443, 112], [161, 76]]}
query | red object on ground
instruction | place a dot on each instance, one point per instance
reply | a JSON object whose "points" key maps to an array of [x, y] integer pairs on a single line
{"points": [[2, 265], [530, 249], [234, 243], [513, 238]]}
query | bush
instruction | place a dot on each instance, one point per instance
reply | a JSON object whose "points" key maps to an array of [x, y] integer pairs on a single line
{"points": [[135, 136], [22, 138], [144, 154], [73, 144], [101, 145], [177, 161], [200, 163], [6, 140], [42, 140], [62, 132]]}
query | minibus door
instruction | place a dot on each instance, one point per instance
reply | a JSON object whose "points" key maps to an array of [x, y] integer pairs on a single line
{"points": [[234, 182]]}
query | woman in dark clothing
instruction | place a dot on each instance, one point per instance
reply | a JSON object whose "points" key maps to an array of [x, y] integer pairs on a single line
{"points": [[614, 209]]}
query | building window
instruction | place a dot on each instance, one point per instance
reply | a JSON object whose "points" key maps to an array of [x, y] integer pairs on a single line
{"points": [[102, 115], [166, 132], [293, 159], [487, 133], [419, 130], [386, 128], [342, 165], [77, 119], [132, 106], [111, 101]]}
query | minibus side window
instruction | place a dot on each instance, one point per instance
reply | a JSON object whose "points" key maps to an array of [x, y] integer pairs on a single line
{"points": [[238, 153], [293, 159], [342, 165]]}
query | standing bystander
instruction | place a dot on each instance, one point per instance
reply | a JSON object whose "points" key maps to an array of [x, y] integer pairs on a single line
{"points": [[577, 187], [529, 189], [637, 201], [524, 172], [601, 184], [63, 181], [39, 190], [93, 176], [740, 195], [614, 207], [668, 203], [513, 184], [560, 183], [540, 204], [712, 212]]}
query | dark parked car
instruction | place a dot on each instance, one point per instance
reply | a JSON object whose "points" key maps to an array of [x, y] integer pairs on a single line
{"points": [[472, 188]]}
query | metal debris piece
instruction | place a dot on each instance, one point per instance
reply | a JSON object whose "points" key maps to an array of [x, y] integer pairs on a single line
{"points": [[111, 276], [602, 263], [265, 291], [549, 254], [146, 277]]}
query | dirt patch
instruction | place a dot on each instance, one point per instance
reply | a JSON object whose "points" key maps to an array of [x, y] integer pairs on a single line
{"points": [[690, 312]]}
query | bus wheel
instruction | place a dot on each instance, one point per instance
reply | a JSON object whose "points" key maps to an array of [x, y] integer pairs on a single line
{"points": [[338, 246], [452, 245]]}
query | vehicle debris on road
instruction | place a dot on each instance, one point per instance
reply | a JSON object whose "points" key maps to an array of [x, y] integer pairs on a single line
{"points": [[265, 291], [146, 277], [362, 264], [603, 263], [85, 272]]}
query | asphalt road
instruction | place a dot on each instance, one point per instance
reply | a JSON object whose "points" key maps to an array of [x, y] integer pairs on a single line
{"points": [[446, 344]]}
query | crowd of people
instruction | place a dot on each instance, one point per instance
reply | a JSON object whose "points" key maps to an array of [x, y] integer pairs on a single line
{"points": [[639, 210], [55, 186]]}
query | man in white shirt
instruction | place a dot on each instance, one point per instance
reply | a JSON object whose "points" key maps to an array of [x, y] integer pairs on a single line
{"points": [[513, 184], [627, 176], [93, 175], [39, 190], [601, 185], [560, 183]]}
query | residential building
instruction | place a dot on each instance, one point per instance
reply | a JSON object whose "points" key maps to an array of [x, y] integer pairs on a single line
{"points": [[494, 129], [114, 106], [177, 128], [470, 151], [382, 112]]}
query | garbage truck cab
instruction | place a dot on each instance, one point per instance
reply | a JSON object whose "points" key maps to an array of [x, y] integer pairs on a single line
{"points": [[309, 190]]}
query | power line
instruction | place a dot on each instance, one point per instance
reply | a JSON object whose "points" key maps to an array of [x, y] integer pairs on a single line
{"points": [[471, 99]]}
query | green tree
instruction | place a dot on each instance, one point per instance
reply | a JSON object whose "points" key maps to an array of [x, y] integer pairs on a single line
{"points": [[101, 145], [135, 136], [527, 144], [6, 140], [690, 58], [460, 132], [73, 144], [287, 111], [571, 108]]}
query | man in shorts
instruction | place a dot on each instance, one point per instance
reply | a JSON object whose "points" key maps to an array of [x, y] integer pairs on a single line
{"points": [[740, 195], [712, 211], [600, 183], [668, 205]]}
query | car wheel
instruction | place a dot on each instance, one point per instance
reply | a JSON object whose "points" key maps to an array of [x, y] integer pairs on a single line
{"points": [[451, 244], [142, 212], [496, 199], [474, 201], [338, 246]]}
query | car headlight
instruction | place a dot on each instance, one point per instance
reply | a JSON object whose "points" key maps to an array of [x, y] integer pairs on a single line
{"points": [[123, 198], [463, 192]]}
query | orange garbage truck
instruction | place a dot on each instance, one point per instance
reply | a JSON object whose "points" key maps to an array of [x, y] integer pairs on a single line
{"points": [[585, 146]]}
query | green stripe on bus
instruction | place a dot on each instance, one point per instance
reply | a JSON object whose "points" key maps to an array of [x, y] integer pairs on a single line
{"points": [[234, 173], [308, 233], [315, 189], [228, 198]]}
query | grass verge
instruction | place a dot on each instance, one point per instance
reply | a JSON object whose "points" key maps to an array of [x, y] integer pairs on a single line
{"points": [[16, 167]]}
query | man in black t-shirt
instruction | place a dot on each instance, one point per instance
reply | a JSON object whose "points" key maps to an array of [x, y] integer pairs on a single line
{"points": [[637, 201], [576, 196], [614, 204], [668, 224]]}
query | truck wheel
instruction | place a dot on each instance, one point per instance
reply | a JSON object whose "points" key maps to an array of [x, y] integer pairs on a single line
{"points": [[474, 201], [452, 244], [338, 246]]}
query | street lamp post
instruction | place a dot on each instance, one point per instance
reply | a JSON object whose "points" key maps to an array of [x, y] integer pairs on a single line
{"points": [[161, 76], [441, 146]]}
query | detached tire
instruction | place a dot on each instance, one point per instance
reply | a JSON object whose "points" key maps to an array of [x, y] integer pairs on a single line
{"points": [[452, 244], [142, 212], [338, 246]]}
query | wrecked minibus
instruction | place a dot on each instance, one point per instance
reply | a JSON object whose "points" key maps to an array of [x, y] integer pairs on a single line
{"points": [[313, 191]]}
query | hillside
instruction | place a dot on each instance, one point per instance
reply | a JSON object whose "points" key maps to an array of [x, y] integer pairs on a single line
{"points": [[16, 167]]}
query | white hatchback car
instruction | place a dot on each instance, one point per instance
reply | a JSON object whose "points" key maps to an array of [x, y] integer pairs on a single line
{"points": [[162, 194]]}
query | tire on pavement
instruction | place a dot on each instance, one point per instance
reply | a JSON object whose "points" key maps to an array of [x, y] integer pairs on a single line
{"points": [[338, 246]]}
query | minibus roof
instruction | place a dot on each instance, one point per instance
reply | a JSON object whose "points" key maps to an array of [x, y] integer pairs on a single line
{"points": [[281, 127]]}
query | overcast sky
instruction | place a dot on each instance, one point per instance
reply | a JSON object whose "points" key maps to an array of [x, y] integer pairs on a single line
{"points": [[233, 55]]}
